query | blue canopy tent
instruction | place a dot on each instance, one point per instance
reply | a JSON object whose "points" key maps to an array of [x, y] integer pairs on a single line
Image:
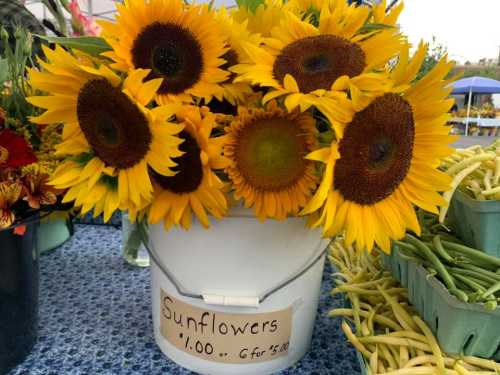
{"points": [[475, 85]]}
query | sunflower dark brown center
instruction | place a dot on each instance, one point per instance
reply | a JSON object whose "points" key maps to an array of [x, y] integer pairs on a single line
{"points": [[113, 125], [270, 153], [172, 52], [189, 168], [376, 151], [317, 61]]}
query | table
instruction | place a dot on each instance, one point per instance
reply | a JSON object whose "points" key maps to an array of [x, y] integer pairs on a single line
{"points": [[95, 317], [482, 122]]}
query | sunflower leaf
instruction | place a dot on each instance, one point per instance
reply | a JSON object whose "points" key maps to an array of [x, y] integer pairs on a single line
{"points": [[371, 27], [83, 159], [252, 5], [88, 44]]}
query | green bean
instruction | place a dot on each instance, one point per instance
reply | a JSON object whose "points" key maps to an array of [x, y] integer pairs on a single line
{"points": [[490, 305], [472, 253], [471, 283], [406, 246], [448, 237], [483, 283], [480, 270], [440, 268], [463, 259], [492, 290], [411, 257], [460, 294], [438, 246], [473, 274]]}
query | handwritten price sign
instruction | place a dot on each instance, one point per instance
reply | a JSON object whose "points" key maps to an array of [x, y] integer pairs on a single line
{"points": [[222, 337]]}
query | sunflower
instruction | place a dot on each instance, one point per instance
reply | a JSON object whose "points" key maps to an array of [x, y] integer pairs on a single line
{"points": [[314, 66], [387, 160], [261, 20], [108, 130], [181, 44], [380, 16], [235, 34], [266, 149], [195, 188]]}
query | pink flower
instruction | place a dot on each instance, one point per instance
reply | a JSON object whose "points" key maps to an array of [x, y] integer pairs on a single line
{"points": [[82, 25]]}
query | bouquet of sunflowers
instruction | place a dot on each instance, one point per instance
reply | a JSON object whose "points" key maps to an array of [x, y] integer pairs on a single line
{"points": [[299, 107], [26, 151]]}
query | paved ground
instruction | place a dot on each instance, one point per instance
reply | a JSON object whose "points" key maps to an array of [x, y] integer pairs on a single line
{"points": [[473, 140]]}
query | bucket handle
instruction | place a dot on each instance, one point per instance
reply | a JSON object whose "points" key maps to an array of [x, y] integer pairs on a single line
{"points": [[212, 299]]}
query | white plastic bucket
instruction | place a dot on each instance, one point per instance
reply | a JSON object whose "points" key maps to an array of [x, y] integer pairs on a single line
{"points": [[239, 260]]}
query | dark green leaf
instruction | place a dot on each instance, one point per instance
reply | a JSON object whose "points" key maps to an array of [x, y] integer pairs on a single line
{"points": [[371, 27], [89, 44], [4, 70]]}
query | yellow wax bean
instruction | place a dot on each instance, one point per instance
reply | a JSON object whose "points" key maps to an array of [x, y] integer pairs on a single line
{"points": [[384, 351], [383, 339], [460, 369], [432, 342], [381, 368], [365, 331], [404, 356], [354, 340], [410, 335], [487, 179], [353, 289], [491, 191], [469, 161], [401, 315], [454, 184], [484, 363], [427, 370], [377, 318], [374, 361], [496, 177], [423, 359]]}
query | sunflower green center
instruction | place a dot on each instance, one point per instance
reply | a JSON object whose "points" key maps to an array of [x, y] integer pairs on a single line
{"points": [[115, 128], [172, 52], [189, 168], [376, 151], [270, 153], [317, 61]]}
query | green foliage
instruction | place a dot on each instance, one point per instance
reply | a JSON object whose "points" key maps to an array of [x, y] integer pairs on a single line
{"points": [[250, 4], [13, 63], [488, 71], [92, 45], [435, 52], [368, 28]]}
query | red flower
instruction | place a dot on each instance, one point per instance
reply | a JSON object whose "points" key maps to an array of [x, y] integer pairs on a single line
{"points": [[14, 150]]}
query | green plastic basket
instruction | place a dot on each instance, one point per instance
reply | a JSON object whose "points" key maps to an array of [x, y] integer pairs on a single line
{"points": [[362, 364], [477, 223], [459, 327]]}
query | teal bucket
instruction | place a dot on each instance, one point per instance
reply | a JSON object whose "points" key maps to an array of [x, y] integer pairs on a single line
{"points": [[52, 233], [477, 223]]}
